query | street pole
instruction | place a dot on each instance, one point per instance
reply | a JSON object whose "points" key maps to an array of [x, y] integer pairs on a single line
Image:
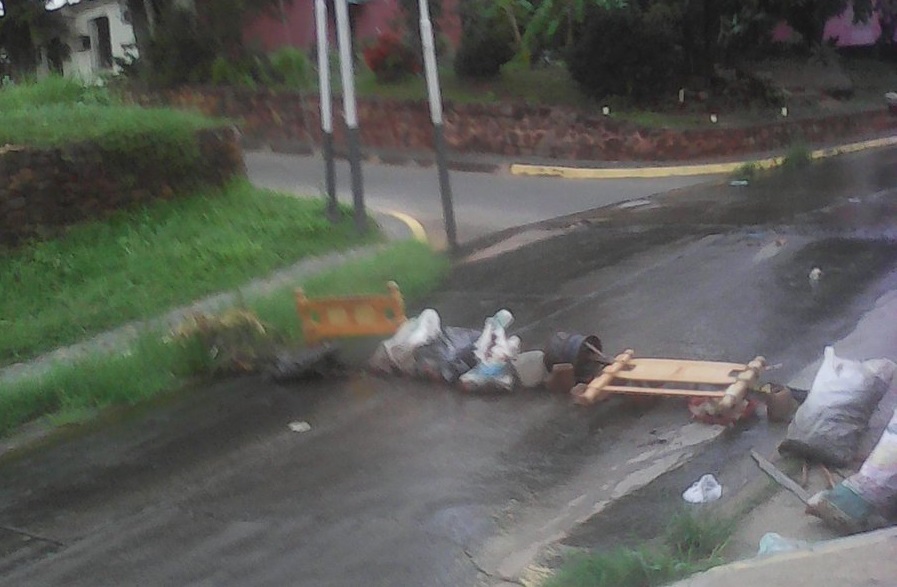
{"points": [[445, 187], [326, 108], [350, 112]]}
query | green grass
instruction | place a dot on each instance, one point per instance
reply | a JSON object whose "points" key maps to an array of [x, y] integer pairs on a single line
{"points": [[51, 91], [108, 126], [691, 544], [418, 267], [141, 262], [68, 393]]}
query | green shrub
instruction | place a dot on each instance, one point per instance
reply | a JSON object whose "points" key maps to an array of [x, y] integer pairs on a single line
{"points": [[182, 50], [487, 40], [620, 52], [292, 66], [226, 73]]}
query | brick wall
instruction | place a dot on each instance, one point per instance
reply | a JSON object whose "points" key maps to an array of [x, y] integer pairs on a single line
{"points": [[276, 118]]}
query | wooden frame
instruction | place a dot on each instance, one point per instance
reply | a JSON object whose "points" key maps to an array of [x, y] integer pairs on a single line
{"points": [[728, 382], [342, 317]]}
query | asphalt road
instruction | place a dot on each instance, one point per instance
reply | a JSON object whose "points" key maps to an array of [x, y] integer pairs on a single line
{"points": [[408, 483], [484, 203]]}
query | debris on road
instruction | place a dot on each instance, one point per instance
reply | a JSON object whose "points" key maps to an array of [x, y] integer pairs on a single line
{"points": [[494, 351], [773, 543], [816, 274], [828, 425], [340, 317], [304, 363], [300, 426], [530, 368], [725, 385], [704, 490], [780, 477], [865, 500]]}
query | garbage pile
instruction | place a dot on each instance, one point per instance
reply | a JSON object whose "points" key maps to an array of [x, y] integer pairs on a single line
{"points": [[826, 431], [487, 359]]}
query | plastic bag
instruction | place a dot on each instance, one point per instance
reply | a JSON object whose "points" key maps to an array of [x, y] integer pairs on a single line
{"points": [[704, 490], [449, 356], [397, 353], [876, 481], [494, 351], [845, 393], [773, 543]]}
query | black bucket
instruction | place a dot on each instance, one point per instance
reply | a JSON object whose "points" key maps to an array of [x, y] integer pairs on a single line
{"points": [[565, 347]]}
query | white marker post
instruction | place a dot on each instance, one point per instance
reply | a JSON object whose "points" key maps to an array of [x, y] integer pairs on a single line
{"points": [[445, 187], [347, 73], [326, 107]]}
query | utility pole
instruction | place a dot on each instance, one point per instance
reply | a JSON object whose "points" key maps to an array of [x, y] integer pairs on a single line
{"points": [[445, 187], [326, 107], [344, 38]]}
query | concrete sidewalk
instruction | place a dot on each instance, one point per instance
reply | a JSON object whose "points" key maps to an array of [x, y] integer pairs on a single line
{"points": [[865, 559]]}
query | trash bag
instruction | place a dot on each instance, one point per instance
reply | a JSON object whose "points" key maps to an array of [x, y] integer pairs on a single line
{"points": [[494, 351], [397, 353], [828, 425], [448, 357], [876, 481]]}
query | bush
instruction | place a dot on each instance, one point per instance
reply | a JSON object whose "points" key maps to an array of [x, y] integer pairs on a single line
{"points": [[292, 67], [621, 53], [390, 58], [51, 91], [487, 40], [181, 52]]}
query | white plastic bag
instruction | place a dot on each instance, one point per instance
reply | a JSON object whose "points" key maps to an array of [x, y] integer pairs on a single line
{"points": [[704, 490], [494, 352], [411, 335], [876, 481], [773, 543], [828, 425]]}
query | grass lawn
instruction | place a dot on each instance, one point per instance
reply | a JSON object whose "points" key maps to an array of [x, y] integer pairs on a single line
{"points": [[153, 367], [138, 263]]}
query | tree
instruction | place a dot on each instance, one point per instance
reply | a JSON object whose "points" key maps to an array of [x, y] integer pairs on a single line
{"points": [[552, 17], [25, 26]]}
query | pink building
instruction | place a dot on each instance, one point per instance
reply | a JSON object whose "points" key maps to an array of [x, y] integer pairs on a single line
{"points": [[369, 18]]}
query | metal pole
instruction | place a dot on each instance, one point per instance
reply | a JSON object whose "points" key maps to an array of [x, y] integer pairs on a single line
{"points": [[326, 108], [350, 112], [445, 186]]}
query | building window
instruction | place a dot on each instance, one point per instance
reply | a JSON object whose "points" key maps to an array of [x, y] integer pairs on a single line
{"points": [[104, 42]]}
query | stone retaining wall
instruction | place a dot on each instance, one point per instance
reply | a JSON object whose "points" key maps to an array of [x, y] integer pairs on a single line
{"points": [[42, 190], [283, 118]]}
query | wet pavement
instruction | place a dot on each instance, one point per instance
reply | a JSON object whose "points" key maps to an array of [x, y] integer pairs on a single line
{"points": [[406, 483]]}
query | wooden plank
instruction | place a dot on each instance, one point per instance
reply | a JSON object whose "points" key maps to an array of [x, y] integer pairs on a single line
{"points": [[781, 478], [681, 371], [594, 391], [660, 391]]}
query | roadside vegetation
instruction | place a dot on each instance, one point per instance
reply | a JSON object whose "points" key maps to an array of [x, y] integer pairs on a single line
{"points": [[692, 543], [138, 263], [159, 363]]}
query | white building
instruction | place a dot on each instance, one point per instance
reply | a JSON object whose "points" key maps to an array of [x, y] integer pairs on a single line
{"points": [[99, 33]]}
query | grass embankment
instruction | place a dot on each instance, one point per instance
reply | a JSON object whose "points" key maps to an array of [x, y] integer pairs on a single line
{"points": [[691, 544], [58, 111], [139, 263], [156, 364]]}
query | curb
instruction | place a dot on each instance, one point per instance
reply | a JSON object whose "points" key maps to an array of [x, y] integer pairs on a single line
{"points": [[653, 172]]}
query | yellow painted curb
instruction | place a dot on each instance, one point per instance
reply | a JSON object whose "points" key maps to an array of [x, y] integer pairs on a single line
{"points": [[417, 229], [522, 169]]}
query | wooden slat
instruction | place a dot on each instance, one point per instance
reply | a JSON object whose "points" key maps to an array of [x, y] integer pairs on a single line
{"points": [[662, 391], [681, 371]]}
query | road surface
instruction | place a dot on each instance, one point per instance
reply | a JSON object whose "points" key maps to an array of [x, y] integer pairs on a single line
{"points": [[408, 483]]}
